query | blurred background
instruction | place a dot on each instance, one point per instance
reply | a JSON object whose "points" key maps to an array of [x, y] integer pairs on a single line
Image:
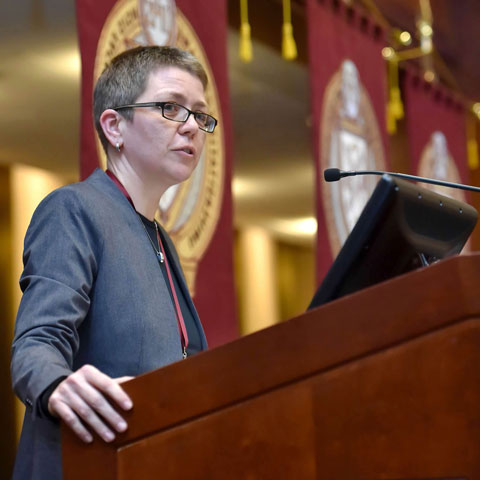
{"points": [[274, 172]]}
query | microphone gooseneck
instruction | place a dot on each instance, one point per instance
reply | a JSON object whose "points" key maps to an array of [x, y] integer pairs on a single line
{"points": [[335, 174]]}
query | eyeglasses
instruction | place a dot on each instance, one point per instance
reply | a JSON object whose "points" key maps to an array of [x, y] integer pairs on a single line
{"points": [[178, 113]]}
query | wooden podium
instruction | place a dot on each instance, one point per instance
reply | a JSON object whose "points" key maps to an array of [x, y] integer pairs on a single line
{"points": [[382, 384]]}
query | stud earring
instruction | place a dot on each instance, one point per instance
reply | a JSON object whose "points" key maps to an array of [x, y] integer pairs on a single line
{"points": [[118, 147]]}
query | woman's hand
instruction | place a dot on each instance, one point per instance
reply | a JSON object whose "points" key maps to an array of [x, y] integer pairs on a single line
{"points": [[82, 395]]}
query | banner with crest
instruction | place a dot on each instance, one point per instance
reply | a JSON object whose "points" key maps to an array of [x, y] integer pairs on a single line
{"points": [[436, 130], [348, 94], [198, 213]]}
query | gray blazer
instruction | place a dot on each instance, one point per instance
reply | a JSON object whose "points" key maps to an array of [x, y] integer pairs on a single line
{"points": [[92, 293]]}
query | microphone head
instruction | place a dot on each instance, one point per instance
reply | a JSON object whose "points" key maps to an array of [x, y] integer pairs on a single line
{"points": [[332, 174]]}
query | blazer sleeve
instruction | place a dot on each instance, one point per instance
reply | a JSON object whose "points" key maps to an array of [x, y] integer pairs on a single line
{"points": [[61, 253]]}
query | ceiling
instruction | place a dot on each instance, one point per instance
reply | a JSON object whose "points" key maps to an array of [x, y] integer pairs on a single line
{"points": [[273, 167]]}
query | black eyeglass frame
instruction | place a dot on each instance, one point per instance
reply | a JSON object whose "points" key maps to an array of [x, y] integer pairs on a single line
{"points": [[162, 106]]}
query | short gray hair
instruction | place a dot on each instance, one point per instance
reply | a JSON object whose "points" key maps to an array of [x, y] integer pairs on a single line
{"points": [[124, 79]]}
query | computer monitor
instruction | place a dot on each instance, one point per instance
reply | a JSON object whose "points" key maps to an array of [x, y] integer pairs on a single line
{"points": [[401, 227]]}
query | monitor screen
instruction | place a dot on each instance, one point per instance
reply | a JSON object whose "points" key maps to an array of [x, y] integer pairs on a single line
{"points": [[400, 222]]}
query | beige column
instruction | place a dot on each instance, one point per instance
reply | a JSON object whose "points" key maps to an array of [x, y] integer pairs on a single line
{"points": [[258, 295]]}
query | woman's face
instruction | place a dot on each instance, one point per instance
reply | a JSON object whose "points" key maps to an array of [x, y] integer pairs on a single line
{"points": [[159, 149]]}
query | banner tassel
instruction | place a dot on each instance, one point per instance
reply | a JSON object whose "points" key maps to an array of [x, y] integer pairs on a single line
{"points": [[289, 48], [245, 49], [395, 106], [472, 145]]}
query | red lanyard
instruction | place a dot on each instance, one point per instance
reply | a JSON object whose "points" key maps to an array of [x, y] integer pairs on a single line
{"points": [[178, 312]]}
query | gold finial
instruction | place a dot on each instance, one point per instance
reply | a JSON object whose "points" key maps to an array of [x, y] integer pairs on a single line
{"points": [[388, 53], [476, 109], [405, 38]]}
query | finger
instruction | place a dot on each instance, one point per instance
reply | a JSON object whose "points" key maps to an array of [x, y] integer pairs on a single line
{"points": [[107, 385], [89, 403], [122, 379], [75, 395], [64, 412]]}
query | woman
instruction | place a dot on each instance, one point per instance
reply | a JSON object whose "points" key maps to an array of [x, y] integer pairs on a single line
{"points": [[104, 298]]}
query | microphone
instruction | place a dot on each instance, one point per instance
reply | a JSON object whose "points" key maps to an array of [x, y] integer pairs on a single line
{"points": [[335, 174]]}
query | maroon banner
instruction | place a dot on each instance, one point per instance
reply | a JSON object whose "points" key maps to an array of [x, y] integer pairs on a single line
{"points": [[348, 91], [436, 132], [198, 213]]}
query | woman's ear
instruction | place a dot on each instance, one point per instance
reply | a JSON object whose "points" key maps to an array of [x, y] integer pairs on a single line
{"points": [[110, 122]]}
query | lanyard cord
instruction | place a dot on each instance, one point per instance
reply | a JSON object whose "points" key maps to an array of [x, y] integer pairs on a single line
{"points": [[178, 312]]}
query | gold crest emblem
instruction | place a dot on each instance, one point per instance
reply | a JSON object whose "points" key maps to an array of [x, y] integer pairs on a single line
{"points": [[349, 140], [189, 211], [436, 162]]}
